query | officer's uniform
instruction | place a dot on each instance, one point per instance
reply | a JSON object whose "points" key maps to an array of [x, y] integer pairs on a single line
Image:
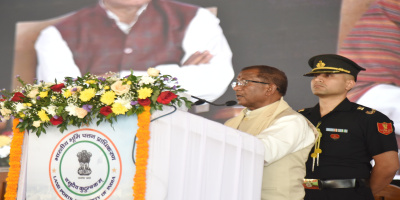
{"points": [[351, 135]]}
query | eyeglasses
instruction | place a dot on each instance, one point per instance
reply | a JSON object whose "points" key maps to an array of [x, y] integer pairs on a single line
{"points": [[244, 83]]}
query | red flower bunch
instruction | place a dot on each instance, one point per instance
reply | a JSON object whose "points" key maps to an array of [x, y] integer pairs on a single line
{"points": [[56, 121], [17, 97], [166, 97], [144, 102], [58, 87], [106, 110]]}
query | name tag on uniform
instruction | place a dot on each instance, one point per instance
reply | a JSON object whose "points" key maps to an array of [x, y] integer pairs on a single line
{"points": [[337, 130]]}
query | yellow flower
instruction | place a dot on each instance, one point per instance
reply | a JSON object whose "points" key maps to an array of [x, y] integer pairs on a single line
{"points": [[53, 97], [144, 93], [118, 109], [129, 82], [108, 97], [106, 87], [43, 94], [90, 82], [27, 104], [67, 93], [43, 116], [87, 94], [22, 115]]}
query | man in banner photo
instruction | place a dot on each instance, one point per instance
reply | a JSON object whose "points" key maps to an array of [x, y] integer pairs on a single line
{"points": [[351, 135], [287, 136], [181, 40]]}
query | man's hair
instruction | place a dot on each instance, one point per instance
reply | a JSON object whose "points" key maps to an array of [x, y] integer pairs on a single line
{"points": [[273, 75]]}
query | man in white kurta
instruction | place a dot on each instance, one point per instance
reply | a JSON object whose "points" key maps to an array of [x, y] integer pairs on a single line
{"points": [[287, 135]]}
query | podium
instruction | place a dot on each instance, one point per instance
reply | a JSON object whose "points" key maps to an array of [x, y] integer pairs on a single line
{"points": [[190, 157]]}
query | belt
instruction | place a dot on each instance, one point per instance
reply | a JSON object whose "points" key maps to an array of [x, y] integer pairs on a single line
{"points": [[334, 183]]}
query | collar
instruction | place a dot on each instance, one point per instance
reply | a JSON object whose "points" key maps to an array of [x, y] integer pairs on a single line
{"points": [[345, 105], [121, 25]]}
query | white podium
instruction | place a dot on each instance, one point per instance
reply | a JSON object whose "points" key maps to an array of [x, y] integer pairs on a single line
{"points": [[189, 158]]}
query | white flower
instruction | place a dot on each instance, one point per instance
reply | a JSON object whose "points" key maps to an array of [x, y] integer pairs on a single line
{"points": [[4, 151], [19, 106], [5, 112], [1, 104], [146, 80], [36, 123], [32, 94], [51, 110], [153, 72], [124, 102], [119, 88], [71, 109]]}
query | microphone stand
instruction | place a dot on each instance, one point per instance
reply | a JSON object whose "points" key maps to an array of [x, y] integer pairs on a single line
{"points": [[202, 101]]}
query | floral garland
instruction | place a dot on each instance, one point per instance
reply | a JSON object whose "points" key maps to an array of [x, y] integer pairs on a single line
{"points": [[79, 101], [143, 134], [15, 165]]}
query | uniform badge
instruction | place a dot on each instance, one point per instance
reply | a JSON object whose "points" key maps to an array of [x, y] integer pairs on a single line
{"points": [[335, 136], [360, 108], [371, 112], [301, 110], [385, 128]]}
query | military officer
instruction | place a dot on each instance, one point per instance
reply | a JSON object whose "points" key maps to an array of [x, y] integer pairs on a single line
{"points": [[350, 136]]}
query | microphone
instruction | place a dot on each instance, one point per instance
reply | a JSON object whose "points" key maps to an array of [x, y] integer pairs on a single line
{"points": [[202, 101]]}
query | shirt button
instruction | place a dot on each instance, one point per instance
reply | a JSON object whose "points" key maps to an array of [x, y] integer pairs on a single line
{"points": [[128, 50]]}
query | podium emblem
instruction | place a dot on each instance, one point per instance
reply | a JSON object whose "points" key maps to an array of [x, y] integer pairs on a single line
{"points": [[70, 173]]}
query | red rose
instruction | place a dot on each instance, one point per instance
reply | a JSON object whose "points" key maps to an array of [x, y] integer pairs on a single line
{"points": [[58, 87], [17, 97], [57, 121], [106, 110], [3, 98], [166, 97], [144, 102]]}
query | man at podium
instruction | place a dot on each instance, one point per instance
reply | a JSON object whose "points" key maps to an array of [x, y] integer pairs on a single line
{"points": [[287, 136]]}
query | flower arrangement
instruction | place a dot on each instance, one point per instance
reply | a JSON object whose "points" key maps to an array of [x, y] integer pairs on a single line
{"points": [[80, 101]]}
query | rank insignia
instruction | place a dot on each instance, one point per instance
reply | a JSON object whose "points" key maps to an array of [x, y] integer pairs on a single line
{"points": [[335, 136], [385, 128], [360, 108], [371, 112], [301, 110]]}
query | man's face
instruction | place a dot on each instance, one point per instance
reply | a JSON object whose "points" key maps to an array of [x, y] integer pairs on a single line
{"points": [[252, 95], [324, 85]]}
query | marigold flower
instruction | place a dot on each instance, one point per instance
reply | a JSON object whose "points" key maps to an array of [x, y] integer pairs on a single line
{"points": [[144, 93], [87, 94], [108, 97]]}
